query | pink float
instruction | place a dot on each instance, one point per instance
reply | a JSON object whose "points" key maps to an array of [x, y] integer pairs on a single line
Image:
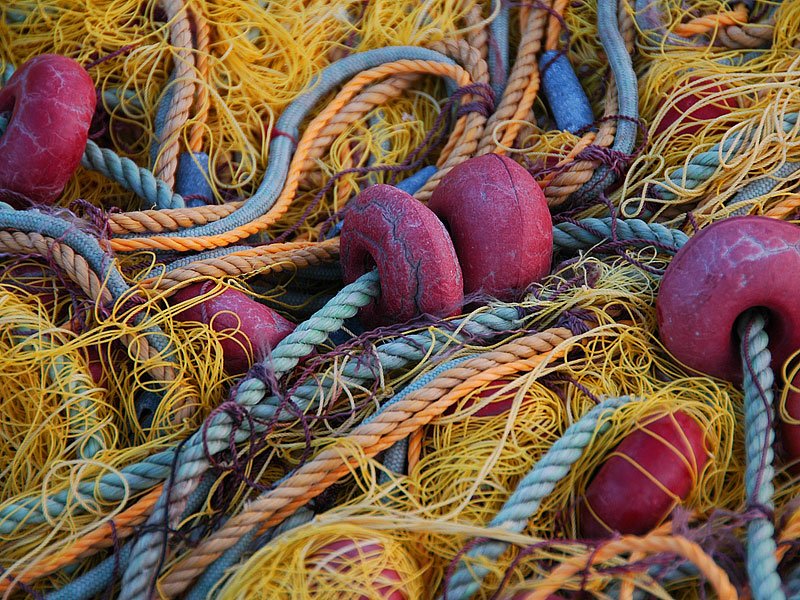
{"points": [[52, 99], [731, 266], [387, 228], [499, 222], [259, 328]]}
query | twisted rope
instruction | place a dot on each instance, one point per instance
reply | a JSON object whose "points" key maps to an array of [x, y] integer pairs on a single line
{"points": [[465, 135], [182, 94], [708, 23], [530, 491], [202, 103], [238, 225], [394, 422], [762, 565], [753, 35], [520, 91], [132, 177], [653, 543]]}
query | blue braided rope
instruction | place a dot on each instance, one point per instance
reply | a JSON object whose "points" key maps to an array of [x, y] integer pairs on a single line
{"points": [[762, 566], [531, 490], [280, 149], [497, 58], [744, 198]]}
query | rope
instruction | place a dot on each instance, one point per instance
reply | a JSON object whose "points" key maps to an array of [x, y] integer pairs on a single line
{"points": [[520, 91], [394, 422], [121, 526], [649, 544], [530, 491], [182, 95], [202, 103], [707, 23], [615, 46], [759, 416], [207, 236]]}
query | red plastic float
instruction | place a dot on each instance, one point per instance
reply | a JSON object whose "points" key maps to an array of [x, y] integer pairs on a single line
{"points": [[53, 100], [499, 222], [334, 558], [665, 453], [418, 267], [694, 118], [727, 268], [260, 328]]}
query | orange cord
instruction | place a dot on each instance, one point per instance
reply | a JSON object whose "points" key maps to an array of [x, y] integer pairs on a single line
{"points": [[298, 165], [120, 526], [710, 22]]}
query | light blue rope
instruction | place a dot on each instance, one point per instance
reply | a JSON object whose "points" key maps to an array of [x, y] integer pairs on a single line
{"points": [[762, 566], [793, 584], [745, 198], [531, 490], [704, 165], [392, 354], [498, 70], [99, 578], [627, 93]]}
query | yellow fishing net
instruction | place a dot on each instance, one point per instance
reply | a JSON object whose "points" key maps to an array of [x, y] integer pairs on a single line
{"points": [[377, 534]]}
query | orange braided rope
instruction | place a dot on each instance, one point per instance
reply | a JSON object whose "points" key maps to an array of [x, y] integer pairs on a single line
{"points": [[368, 439], [652, 543], [181, 39], [157, 221], [707, 23], [261, 259], [785, 208], [554, 25], [299, 163], [202, 104], [521, 86], [121, 526]]}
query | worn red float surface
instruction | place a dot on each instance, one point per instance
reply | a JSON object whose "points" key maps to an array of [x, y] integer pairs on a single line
{"points": [[694, 118], [499, 222], [627, 494], [416, 261], [733, 265], [336, 558], [492, 409], [52, 99], [260, 327]]}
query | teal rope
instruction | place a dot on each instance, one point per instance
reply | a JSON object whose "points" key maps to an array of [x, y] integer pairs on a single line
{"points": [[704, 165], [762, 566], [193, 461], [531, 490], [793, 584], [567, 236], [302, 516], [627, 93], [32, 220], [216, 570], [100, 577], [130, 176]]}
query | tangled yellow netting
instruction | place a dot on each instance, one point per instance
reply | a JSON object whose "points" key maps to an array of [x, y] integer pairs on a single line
{"points": [[378, 534]]}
